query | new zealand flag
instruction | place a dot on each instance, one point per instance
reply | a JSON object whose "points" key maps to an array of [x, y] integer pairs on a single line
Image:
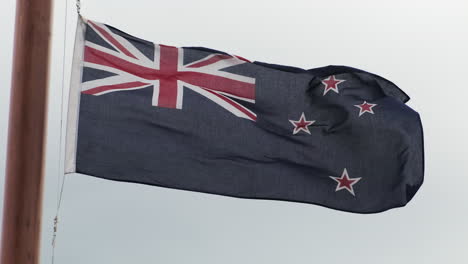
{"points": [[203, 120]]}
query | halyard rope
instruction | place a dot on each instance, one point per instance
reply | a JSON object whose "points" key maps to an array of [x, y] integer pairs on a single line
{"points": [[78, 7], [61, 174]]}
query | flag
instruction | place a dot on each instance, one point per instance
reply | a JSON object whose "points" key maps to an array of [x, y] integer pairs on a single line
{"points": [[203, 120]]}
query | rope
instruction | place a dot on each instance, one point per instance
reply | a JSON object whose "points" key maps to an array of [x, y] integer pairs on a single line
{"points": [[61, 175], [78, 7]]}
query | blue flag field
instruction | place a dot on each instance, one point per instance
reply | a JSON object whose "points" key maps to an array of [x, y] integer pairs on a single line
{"points": [[202, 120]]}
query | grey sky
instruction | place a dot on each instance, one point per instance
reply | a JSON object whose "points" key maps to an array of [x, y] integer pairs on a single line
{"points": [[420, 45]]}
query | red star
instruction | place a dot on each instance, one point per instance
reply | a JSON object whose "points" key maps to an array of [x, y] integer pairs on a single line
{"points": [[331, 84], [301, 125], [365, 108], [345, 182]]}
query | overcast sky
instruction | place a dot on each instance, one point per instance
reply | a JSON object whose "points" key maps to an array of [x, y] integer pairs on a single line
{"points": [[421, 45]]}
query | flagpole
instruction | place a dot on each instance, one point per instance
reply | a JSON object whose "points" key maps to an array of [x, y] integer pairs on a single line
{"points": [[26, 133]]}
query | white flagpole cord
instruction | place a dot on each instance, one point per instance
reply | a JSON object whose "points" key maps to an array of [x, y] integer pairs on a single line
{"points": [[61, 174]]}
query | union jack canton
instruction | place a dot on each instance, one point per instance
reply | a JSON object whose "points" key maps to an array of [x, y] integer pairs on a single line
{"points": [[166, 72]]}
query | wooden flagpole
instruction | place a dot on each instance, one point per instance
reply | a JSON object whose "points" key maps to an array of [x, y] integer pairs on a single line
{"points": [[26, 133]]}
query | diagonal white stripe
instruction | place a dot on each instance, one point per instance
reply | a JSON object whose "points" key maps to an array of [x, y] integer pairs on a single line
{"points": [[214, 69], [99, 33], [233, 96], [112, 80], [122, 56], [115, 71], [200, 60], [129, 46], [124, 89], [229, 107]]}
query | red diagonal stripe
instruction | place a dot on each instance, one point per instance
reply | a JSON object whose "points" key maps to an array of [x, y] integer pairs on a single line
{"points": [[119, 86], [242, 58], [218, 83], [209, 61], [235, 104], [112, 40]]}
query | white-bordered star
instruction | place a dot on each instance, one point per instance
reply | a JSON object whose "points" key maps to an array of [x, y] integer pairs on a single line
{"points": [[301, 125], [331, 84], [365, 108], [345, 182]]}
